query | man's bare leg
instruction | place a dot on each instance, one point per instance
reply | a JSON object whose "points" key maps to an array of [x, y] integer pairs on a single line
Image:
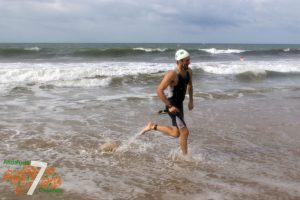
{"points": [[184, 133], [168, 130], [173, 131], [147, 128]]}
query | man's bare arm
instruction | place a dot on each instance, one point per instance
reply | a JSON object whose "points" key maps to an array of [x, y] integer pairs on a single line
{"points": [[167, 80]]}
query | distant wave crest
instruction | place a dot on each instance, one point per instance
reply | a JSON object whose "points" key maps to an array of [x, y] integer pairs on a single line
{"points": [[19, 52], [222, 51], [37, 52], [32, 49], [150, 49], [257, 52]]}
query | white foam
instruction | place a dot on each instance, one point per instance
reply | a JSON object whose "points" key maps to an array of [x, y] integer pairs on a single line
{"points": [[222, 51], [100, 74], [125, 96], [72, 74], [176, 155], [83, 83], [134, 145], [125, 146], [33, 49], [258, 67], [149, 49]]}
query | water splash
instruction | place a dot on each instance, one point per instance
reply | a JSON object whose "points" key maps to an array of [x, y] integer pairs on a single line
{"points": [[176, 156]]}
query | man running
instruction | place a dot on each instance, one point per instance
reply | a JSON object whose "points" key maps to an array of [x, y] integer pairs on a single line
{"points": [[177, 81]]}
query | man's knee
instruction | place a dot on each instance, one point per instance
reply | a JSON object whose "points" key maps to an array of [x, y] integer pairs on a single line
{"points": [[177, 132], [184, 132]]}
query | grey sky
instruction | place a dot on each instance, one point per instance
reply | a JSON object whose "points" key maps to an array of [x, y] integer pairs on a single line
{"points": [[201, 21]]}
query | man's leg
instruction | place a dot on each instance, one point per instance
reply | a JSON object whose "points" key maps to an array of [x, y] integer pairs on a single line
{"points": [[178, 120], [184, 133], [173, 131], [168, 130], [178, 129]]}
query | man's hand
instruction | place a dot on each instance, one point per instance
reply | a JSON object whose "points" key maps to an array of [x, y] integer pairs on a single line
{"points": [[173, 109], [191, 105]]}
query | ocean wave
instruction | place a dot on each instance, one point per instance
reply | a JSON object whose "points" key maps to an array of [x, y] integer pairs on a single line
{"points": [[264, 74], [252, 75], [239, 93], [275, 74], [17, 52], [261, 75], [222, 51], [271, 52], [150, 49], [45, 51], [101, 52], [140, 79], [255, 67], [194, 52], [21, 90], [39, 52], [76, 74], [132, 97], [32, 49], [82, 83], [218, 95], [255, 52], [118, 52], [93, 73]]}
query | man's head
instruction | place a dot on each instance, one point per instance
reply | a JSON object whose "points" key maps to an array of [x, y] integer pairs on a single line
{"points": [[182, 58]]}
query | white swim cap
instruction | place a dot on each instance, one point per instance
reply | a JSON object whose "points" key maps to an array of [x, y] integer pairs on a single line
{"points": [[181, 54]]}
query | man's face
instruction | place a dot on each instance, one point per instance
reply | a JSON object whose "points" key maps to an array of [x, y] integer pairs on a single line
{"points": [[185, 63]]}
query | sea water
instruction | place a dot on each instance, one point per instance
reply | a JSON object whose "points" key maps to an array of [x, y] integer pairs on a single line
{"points": [[60, 102]]}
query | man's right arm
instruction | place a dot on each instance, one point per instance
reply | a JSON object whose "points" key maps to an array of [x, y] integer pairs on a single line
{"points": [[167, 80]]}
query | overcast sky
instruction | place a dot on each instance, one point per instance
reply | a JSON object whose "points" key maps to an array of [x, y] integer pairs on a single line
{"points": [[195, 21]]}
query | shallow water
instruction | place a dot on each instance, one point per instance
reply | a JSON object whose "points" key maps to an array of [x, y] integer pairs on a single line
{"points": [[238, 148], [244, 131]]}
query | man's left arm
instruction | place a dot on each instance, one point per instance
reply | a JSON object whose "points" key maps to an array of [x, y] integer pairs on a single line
{"points": [[190, 90]]}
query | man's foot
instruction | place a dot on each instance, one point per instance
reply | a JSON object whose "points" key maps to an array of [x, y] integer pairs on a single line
{"points": [[147, 128]]}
